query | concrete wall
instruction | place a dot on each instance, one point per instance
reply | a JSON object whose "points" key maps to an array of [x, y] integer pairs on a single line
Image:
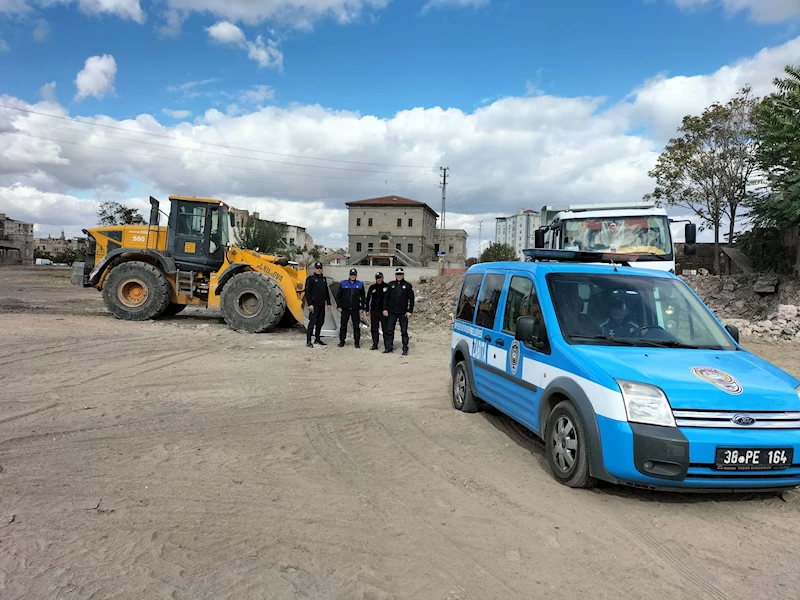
{"points": [[367, 273]]}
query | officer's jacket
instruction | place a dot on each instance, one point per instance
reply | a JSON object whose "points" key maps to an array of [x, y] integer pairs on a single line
{"points": [[351, 295], [399, 297], [375, 295], [316, 291]]}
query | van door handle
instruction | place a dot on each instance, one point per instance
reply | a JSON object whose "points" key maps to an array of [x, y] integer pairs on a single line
{"points": [[500, 342], [488, 338]]}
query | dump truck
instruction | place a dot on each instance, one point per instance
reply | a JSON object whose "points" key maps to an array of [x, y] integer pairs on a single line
{"points": [[633, 228], [147, 271]]}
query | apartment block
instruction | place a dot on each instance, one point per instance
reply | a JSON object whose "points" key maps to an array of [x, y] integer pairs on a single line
{"points": [[517, 230], [16, 242]]}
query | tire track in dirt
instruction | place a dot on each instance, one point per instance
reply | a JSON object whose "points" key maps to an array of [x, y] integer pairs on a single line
{"points": [[384, 494], [652, 546], [27, 413]]}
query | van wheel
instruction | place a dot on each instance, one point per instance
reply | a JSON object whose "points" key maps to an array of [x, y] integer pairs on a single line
{"points": [[567, 451], [463, 398]]}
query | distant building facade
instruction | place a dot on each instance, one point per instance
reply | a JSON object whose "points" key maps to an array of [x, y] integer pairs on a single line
{"points": [[16, 242], [59, 245], [454, 247], [391, 230], [294, 236], [517, 230]]}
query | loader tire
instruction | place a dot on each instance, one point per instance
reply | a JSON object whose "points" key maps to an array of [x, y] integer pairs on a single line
{"points": [[252, 302], [136, 291], [172, 309]]}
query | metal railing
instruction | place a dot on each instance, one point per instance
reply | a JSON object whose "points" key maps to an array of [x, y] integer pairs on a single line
{"points": [[409, 262]]}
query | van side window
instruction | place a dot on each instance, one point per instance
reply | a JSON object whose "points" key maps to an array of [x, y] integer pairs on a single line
{"points": [[487, 305], [468, 297], [520, 296]]}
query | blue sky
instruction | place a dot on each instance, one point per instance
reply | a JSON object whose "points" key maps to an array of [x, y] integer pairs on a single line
{"points": [[529, 102], [390, 59]]}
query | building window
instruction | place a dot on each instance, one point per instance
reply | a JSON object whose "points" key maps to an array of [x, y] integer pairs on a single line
{"points": [[411, 248], [369, 246], [411, 222], [450, 248], [369, 223], [436, 248], [358, 246], [398, 246], [358, 222], [399, 222]]}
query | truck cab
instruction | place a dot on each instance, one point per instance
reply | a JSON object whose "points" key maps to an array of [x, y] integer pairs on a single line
{"points": [[634, 228]]}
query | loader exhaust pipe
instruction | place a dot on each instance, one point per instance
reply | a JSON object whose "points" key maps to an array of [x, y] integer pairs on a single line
{"points": [[154, 211]]}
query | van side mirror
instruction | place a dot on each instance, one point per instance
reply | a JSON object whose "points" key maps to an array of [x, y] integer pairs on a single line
{"points": [[538, 238], [528, 332], [734, 331]]}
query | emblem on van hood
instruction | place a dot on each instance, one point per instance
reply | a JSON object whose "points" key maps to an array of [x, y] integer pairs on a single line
{"points": [[724, 381], [743, 420]]}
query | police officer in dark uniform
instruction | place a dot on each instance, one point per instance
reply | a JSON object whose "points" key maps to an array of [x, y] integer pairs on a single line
{"points": [[398, 305], [350, 300], [316, 296], [375, 295]]}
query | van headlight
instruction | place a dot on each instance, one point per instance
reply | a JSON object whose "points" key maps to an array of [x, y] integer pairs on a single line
{"points": [[646, 404]]}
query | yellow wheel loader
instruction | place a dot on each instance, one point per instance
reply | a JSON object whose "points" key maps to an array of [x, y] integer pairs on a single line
{"points": [[148, 271]]}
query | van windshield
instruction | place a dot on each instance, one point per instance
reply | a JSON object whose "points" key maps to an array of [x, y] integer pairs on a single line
{"points": [[625, 310], [647, 235]]}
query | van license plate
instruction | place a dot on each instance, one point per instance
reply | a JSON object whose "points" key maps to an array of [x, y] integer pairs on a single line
{"points": [[753, 459]]}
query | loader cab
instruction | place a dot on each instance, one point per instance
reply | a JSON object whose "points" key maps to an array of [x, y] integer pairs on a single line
{"points": [[198, 233]]}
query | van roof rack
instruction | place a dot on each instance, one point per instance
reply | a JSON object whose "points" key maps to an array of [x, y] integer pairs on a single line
{"points": [[578, 256]]}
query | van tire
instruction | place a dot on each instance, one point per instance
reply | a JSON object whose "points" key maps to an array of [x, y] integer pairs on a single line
{"points": [[569, 466], [463, 398]]}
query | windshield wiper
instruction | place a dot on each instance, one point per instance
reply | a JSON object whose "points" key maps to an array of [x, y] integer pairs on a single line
{"points": [[605, 338], [668, 344]]}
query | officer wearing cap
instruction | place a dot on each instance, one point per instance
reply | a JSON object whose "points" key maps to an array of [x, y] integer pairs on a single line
{"points": [[375, 295], [350, 299], [398, 305], [316, 296]]}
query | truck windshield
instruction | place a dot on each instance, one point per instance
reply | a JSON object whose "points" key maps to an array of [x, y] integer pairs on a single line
{"points": [[628, 310], [647, 235]]}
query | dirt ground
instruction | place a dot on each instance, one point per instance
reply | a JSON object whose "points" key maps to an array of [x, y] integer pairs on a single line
{"points": [[179, 459]]}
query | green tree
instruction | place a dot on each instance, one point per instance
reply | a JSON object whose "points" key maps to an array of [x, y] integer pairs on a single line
{"points": [[264, 236], [114, 213], [710, 166], [777, 131], [315, 253], [498, 252]]}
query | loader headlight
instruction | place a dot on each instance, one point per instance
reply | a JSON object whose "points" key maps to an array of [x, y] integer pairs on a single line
{"points": [[645, 403]]}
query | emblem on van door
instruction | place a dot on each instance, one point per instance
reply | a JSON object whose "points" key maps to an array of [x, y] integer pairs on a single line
{"points": [[513, 356], [743, 420], [727, 383]]}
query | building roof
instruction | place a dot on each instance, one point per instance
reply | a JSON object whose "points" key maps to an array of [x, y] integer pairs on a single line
{"points": [[391, 201]]}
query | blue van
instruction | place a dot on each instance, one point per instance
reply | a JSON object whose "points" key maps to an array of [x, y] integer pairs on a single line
{"points": [[625, 374]]}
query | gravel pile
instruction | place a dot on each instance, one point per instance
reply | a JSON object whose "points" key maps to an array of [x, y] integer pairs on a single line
{"points": [[435, 299]]}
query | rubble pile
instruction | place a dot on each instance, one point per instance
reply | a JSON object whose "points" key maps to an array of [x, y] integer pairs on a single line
{"points": [[435, 298]]}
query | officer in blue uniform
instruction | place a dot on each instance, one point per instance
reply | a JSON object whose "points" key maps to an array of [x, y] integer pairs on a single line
{"points": [[351, 301]]}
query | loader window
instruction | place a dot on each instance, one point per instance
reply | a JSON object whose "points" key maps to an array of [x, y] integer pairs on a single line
{"points": [[191, 220], [219, 229]]}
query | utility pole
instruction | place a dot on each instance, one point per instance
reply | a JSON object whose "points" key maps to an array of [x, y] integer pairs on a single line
{"points": [[480, 231], [442, 244]]}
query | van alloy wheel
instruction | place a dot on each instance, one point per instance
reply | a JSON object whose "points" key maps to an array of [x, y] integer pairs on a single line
{"points": [[565, 444]]}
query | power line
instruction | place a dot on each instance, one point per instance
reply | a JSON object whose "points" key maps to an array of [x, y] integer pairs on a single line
{"points": [[159, 145], [171, 137], [186, 160]]}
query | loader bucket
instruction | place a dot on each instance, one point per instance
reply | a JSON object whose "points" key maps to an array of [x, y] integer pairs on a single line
{"points": [[330, 328]]}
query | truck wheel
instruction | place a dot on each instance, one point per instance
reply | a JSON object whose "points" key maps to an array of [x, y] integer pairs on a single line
{"points": [[567, 450], [136, 291], [463, 398], [252, 302], [173, 309]]}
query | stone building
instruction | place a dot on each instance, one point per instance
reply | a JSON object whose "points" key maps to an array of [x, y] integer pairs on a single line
{"points": [[53, 246], [390, 231], [16, 242], [454, 248]]}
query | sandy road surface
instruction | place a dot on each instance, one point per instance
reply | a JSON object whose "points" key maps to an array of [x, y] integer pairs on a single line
{"points": [[182, 460]]}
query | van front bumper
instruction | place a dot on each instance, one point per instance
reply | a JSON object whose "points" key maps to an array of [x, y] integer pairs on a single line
{"points": [[683, 458]]}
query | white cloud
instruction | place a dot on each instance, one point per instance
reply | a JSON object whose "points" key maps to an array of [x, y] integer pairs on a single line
{"points": [[189, 89], [97, 77], [760, 11], [431, 4], [48, 92], [177, 114], [41, 32], [257, 94], [226, 33], [297, 13], [4, 47], [266, 54], [125, 9], [524, 151]]}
